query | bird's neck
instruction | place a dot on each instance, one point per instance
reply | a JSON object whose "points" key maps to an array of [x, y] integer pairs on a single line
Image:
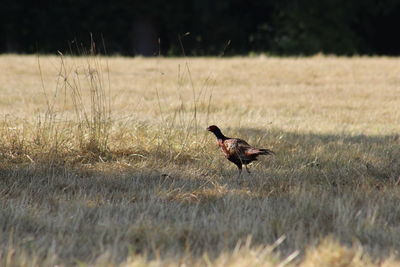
{"points": [[220, 135]]}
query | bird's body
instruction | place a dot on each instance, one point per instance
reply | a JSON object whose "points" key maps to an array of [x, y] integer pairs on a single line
{"points": [[237, 150]]}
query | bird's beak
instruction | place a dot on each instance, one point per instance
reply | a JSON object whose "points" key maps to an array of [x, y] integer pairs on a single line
{"points": [[208, 128]]}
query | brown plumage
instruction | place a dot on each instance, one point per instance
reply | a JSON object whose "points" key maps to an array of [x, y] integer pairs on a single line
{"points": [[237, 150]]}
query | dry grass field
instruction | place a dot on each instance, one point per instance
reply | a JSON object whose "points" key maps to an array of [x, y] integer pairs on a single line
{"points": [[106, 161]]}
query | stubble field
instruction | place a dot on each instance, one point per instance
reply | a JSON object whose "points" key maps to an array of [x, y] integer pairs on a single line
{"points": [[106, 161]]}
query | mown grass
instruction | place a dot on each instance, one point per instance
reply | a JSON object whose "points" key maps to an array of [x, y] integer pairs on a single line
{"points": [[107, 161]]}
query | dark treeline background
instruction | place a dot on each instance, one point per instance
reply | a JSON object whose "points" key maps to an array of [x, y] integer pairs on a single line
{"points": [[132, 27]]}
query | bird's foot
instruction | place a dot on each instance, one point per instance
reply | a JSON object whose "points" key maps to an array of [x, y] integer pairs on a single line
{"points": [[247, 169]]}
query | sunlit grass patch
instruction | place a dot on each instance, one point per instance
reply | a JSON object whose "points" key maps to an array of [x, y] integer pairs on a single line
{"points": [[108, 161]]}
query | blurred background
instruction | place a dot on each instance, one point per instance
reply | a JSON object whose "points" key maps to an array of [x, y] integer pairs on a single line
{"points": [[131, 27]]}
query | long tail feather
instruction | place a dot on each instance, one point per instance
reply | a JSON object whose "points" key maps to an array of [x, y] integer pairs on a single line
{"points": [[259, 151], [264, 151]]}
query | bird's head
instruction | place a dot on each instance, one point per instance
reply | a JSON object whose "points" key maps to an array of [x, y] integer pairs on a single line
{"points": [[213, 128]]}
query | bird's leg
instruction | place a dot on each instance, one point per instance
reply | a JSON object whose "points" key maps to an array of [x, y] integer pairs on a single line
{"points": [[247, 169], [239, 174], [240, 170]]}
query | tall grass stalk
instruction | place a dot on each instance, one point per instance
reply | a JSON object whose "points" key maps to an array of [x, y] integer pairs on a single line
{"points": [[87, 87], [181, 130]]}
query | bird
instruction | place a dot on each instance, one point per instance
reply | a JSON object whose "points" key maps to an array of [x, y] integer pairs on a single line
{"points": [[237, 150]]}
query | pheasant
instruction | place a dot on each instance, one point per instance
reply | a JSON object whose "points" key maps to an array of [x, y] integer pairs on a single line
{"points": [[237, 150]]}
